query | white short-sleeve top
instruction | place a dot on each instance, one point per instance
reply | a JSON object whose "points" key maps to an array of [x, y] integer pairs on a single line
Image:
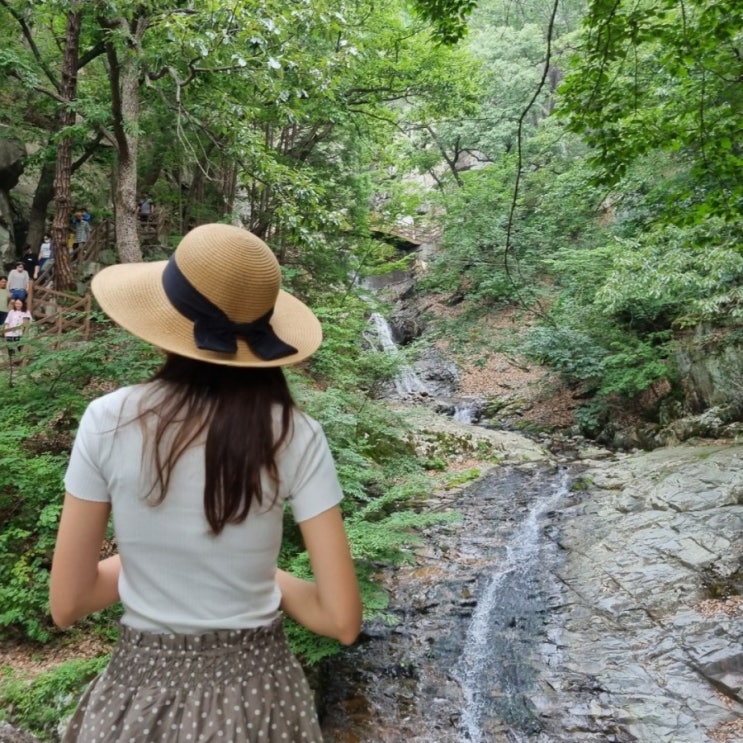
{"points": [[176, 576]]}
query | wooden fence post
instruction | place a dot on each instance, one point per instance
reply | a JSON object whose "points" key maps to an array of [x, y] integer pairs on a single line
{"points": [[59, 330], [86, 327]]}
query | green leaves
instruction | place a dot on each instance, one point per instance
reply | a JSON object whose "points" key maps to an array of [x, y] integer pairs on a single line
{"points": [[682, 275], [40, 703], [40, 413], [663, 76], [448, 17]]}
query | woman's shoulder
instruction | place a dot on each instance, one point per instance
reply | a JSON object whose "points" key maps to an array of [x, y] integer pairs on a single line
{"points": [[118, 401], [117, 395], [304, 424], [305, 433]]}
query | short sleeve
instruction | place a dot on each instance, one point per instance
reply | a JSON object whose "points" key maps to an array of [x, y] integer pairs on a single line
{"points": [[314, 487], [84, 478]]}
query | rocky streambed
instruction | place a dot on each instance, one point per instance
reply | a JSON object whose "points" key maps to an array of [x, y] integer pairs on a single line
{"points": [[579, 597], [595, 597]]}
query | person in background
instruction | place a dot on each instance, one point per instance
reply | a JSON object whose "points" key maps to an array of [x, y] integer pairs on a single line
{"points": [[16, 322], [4, 299], [45, 252], [30, 263], [19, 282], [145, 209], [81, 227], [196, 467]]}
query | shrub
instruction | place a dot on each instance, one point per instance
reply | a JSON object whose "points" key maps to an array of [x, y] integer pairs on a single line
{"points": [[39, 704]]}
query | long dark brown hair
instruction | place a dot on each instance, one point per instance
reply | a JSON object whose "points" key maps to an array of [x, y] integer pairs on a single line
{"points": [[234, 406]]}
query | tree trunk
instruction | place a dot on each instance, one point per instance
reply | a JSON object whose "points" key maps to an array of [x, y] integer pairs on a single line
{"points": [[43, 195], [62, 188], [124, 76]]}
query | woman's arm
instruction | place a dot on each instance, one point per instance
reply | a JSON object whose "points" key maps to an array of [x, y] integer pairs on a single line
{"points": [[331, 605], [81, 582]]}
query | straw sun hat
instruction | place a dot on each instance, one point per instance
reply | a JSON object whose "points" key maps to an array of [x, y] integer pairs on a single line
{"points": [[217, 299]]}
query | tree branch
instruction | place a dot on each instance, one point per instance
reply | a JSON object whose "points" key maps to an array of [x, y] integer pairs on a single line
{"points": [[508, 248], [28, 35]]}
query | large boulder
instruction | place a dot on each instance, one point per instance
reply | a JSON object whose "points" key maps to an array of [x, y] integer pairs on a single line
{"points": [[12, 159], [710, 364], [12, 163]]}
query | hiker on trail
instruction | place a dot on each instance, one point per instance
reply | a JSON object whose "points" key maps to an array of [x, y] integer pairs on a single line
{"points": [[145, 209], [16, 322], [81, 227], [30, 263], [19, 282], [196, 466], [45, 252]]}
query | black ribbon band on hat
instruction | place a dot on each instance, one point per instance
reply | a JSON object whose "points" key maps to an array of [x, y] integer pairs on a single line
{"points": [[212, 329]]}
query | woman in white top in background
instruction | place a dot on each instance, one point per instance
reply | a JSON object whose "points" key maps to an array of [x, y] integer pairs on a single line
{"points": [[196, 467], [45, 252], [16, 322]]}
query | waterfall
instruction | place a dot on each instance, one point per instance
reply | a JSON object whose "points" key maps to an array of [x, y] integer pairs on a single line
{"points": [[407, 382], [464, 413], [486, 666]]}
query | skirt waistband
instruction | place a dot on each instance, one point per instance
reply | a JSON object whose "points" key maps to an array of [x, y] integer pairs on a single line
{"points": [[223, 656], [224, 639]]}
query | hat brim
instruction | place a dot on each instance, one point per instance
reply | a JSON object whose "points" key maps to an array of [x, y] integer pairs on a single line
{"points": [[132, 295]]}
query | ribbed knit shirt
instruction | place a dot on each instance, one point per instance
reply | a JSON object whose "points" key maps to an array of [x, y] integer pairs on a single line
{"points": [[176, 576]]}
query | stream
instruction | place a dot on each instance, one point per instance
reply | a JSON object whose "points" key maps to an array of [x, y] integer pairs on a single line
{"points": [[571, 602], [457, 664], [495, 679]]}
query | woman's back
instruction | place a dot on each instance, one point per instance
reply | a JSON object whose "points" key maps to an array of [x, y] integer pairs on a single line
{"points": [[178, 576]]}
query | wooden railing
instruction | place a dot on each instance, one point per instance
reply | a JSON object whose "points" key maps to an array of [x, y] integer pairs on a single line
{"points": [[101, 236], [56, 313]]}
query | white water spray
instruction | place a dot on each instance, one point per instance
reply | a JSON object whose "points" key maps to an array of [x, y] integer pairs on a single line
{"points": [[407, 381], [523, 551], [464, 413]]}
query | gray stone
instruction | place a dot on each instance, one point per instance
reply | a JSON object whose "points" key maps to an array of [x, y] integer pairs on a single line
{"points": [[9, 734], [623, 649]]}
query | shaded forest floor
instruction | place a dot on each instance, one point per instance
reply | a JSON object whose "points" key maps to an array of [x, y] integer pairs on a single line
{"points": [[529, 395], [31, 659]]}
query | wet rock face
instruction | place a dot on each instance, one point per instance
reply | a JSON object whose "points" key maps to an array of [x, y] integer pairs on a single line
{"points": [[623, 622], [638, 548], [438, 372], [710, 364], [420, 678], [407, 324]]}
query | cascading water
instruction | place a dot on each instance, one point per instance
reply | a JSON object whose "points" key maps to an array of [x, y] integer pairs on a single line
{"points": [[407, 382], [465, 413], [494, 670], [462, 662], [464, 668]]}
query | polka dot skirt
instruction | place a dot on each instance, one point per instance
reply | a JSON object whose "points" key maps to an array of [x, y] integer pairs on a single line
{"points": [[221, 687]]}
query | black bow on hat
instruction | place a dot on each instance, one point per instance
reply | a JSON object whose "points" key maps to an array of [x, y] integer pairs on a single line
{"points": [[213, 330]]}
